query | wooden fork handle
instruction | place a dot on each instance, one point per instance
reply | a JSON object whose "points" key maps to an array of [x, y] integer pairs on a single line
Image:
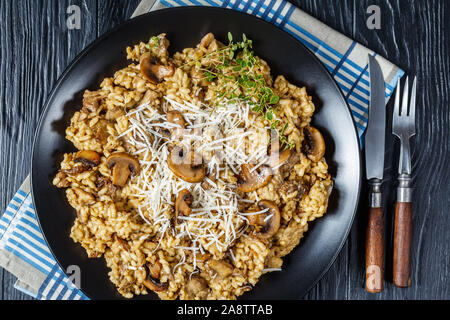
{"points": [[402, 244], [375, 243], [403, 233]]}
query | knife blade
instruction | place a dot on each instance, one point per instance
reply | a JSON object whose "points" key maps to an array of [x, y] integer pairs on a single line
{"points": [[374, 146], [376, 128]]}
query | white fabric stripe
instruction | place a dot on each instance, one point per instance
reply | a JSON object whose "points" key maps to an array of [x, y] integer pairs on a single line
{"points": [[35, 242], [47, 289], [5, 224], [67, 294], [14, 221], [29, 228], [350, 77], [28, 256], [58, 289]]}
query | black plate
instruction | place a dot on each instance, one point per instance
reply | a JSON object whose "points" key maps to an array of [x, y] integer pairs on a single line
{"points": [[306, 264]]}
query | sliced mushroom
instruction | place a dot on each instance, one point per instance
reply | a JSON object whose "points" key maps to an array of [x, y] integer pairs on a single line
{"points": [[313, 144], [153, 71], [149, 96], [183, 204], [176, 118], [76, 169], [114, 113], [249, 181], [266, 227], [88, 157], [183, 165], [91, 100], [83, 197], [152, 280], [197, 286], [61, 180], [210, 43], [276, 157], [100, 130], [105, 182], [123, 165], [223, 268], [206, 40], [289, 187], [155, 269], [202, 257], [159, 46]]}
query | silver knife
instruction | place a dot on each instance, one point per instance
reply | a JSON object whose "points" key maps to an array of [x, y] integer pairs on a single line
{"points": [[374, 146]]}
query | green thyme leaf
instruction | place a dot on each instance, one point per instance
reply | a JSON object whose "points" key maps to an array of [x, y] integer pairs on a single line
{"points": [[274, 99], [230, 37]]}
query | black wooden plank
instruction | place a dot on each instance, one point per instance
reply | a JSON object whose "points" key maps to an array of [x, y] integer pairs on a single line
{"points": [[113, 12], [416, 38], [35, 48]]}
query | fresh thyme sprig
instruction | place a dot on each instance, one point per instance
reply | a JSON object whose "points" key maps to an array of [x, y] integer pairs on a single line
{"points": [[235, 66]]}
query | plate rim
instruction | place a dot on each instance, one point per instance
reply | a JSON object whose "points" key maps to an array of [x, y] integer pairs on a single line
{"points": [[95, 42]]}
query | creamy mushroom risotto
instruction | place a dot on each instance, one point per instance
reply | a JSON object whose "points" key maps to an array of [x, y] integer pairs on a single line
{"points": [[195, 173]]}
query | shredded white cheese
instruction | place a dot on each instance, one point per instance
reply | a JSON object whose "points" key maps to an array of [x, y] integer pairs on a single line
{"points": [[221, 135]]}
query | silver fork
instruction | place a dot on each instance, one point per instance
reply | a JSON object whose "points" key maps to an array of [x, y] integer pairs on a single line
{"points": [[404, 127]]}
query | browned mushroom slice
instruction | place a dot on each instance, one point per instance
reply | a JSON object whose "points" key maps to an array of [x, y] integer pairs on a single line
{"points": [[267, 223], [210, 43], [249, 181], [197, 286], [149, 96], [91, 100], [88, 157], [76, 169], [83, 197], [183, 204], [184, 165], [152, 280], [176, 118], [313, 144], [114, 113], [206, 40], [223, 268], [289, 187], [61, 180], [123, 165], [153, 71], [202, 257], [100, 130], [276, 157]]}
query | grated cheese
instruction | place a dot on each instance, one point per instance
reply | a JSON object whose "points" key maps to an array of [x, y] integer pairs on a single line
{"points": [[219, 134]]}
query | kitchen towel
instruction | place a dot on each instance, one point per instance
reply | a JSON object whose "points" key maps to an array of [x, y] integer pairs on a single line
{"points": [[23, 250]]}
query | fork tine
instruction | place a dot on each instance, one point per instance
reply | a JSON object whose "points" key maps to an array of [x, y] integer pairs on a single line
{"points": [[412, 104], [397, 101], [404, 109]]}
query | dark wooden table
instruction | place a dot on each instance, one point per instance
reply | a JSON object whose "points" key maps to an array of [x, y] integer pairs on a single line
{"points": [[36, 46]]}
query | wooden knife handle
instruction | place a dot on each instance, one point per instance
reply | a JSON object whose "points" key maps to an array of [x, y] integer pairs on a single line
{"points": [[402, 244], [375, 251]]}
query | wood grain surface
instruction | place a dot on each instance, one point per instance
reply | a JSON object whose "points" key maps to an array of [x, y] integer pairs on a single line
{"points": [[402, 244], [36, 46]]}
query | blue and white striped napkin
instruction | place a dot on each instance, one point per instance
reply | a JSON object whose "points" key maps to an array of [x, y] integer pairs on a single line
{"points": [[23, 250]]}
